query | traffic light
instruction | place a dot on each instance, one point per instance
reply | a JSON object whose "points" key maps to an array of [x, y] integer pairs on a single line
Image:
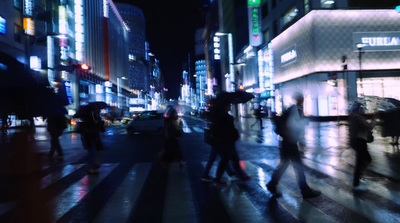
{"points": [[84, 67], [72, 67]]}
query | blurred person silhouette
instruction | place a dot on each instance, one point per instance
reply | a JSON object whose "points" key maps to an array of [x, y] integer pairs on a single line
{"points": [[90, 128], [55, 126], [226, 136], [173, 128], [210, 139], [292, 131], [358, 130], [391, 125], [5, 125], [24, 166], [257, 115]]}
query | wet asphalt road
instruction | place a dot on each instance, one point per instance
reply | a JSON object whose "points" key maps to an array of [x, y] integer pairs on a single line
{"points": [[328, 159]]}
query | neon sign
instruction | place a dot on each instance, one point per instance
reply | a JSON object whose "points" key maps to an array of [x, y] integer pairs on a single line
{"points": [[255, 34], [377, 41], [288, 55], [2, 25], [217, 50]]}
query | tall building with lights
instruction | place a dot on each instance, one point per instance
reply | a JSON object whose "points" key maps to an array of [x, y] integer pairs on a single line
{"points": [[135, 20]]}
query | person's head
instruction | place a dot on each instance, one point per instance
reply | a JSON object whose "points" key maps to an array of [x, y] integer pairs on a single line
{"points": [[298, 97], [357, 108]]}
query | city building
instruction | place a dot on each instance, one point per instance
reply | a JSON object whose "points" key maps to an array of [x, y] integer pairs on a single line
{"points": [[335, 52]]}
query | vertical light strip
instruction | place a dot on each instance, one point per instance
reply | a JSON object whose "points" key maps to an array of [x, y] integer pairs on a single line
{"points": [[79, 30]]}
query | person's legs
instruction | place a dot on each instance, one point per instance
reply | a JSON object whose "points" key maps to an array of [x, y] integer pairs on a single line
{"points": [[223, 163], [211, 159], [363, 158], [299, 169], [234, 157]]}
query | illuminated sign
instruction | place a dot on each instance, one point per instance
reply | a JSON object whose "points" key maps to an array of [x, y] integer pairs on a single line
{"points": [[79, 30], [28, 7], [377, 41], [68, 91], [288, 55], [62, 19], [266, 68], [29, 26], [105, 9], [253, 2], [2, 25], [255, 32], [35, 63], [217, 50]]}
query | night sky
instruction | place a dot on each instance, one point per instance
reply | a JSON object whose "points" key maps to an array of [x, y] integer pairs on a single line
{"points": [[170, 26]]}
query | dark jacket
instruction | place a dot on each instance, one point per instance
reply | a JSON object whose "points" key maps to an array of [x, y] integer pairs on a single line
{"points": [[224, 127]]}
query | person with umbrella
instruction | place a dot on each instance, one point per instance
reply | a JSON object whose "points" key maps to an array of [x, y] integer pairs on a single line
{"points": [[91, 126], [226, 134]]}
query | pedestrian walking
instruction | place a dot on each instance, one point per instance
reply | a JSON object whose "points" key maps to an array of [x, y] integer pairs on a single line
{"points": [[210, 139], [292, 131], [90, 128], [359, 130], [55, 126], [173, 128], [226, 136], [257, 115]]}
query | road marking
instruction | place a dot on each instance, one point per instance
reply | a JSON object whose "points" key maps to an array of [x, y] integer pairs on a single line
{"points": [[290, 201], [357, 204], [119, 206], [234, 200], [59, 174], [178, 205], [78, 191]]}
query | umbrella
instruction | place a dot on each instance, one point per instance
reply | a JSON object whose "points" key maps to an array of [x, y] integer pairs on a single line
{"points": [[97, 105], [83, 110], [31, 101], [236, 97]]}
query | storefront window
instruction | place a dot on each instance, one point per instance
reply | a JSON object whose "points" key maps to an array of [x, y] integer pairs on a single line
{"points": [[306, 6], [386, 87], [327, 4], [289, 16]]}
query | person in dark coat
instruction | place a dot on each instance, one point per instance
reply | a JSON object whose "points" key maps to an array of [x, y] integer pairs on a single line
{"points": [[257, 115], [92, 126], [226, 136], [55, 126], [358, 129], [292, 134], [172, 131]]}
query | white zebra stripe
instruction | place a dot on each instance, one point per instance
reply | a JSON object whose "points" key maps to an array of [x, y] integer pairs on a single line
{"points": [[178, 206], [124, 198], [76, 192]]}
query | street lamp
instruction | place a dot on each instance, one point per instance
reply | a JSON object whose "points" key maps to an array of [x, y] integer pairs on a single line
{"points": [[231, 63], [119, 94], [360, 47]]}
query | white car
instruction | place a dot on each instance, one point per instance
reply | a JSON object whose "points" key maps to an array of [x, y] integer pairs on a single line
{"points": [[147, 121]]}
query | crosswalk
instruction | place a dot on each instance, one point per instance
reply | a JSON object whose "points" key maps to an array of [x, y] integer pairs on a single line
{"points": [[247, 201]]}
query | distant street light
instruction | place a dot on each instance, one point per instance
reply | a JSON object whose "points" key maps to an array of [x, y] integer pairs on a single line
{"points": [[231, 63]]}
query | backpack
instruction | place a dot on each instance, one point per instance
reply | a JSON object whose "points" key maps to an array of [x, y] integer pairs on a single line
{"points": [[279, 123], [209, 137]]}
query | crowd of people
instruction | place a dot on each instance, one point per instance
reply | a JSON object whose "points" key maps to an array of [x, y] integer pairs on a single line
{"points": [[222, 135]]}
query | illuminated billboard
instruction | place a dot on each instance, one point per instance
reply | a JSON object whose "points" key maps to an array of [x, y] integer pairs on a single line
{"points": [[317, 42], [2, 25]]}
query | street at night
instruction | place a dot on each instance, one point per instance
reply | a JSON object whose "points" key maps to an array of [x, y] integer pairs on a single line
{"points": [[199, 111], [132, 187]]}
